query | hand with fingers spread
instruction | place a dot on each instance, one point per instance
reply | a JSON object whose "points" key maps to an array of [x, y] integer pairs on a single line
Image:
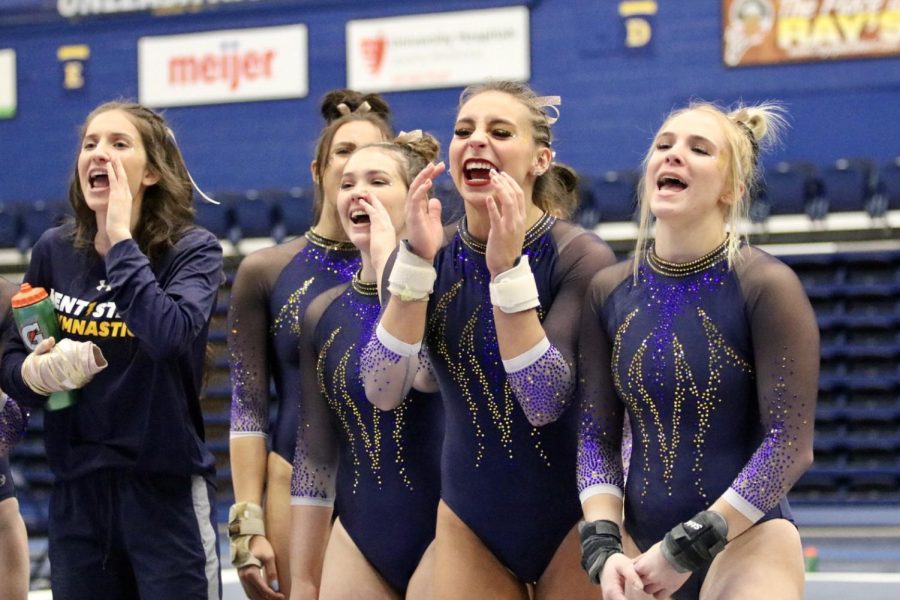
{"points": [[382, 235], [118, 212], [660, 578], [424, 229], [507, 212]]}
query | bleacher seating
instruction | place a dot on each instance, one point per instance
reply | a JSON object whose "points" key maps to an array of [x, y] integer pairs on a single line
{"points": [[216, 218], [615, 195], [848, 184], [253, 217], [293, 211], [37, 217], [857, 301], [790, 187], [10, 226], [887, 185]]}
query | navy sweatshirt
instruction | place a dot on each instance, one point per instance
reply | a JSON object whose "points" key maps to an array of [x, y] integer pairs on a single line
{"points": [[143, 411]]}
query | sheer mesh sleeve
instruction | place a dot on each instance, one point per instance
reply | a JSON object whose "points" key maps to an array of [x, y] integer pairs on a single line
{"points": [[316, 453], [12, 418], [388, 366], [248, 338], [543, 383], [12, 424], [599, 462], [426, 377], [786, 355]]}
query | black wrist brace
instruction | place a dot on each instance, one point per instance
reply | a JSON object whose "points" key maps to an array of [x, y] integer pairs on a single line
{"points": [[599, 541], [693, 544]]}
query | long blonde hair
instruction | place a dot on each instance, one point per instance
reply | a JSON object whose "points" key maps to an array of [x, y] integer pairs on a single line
{"points": [[748, 131]]}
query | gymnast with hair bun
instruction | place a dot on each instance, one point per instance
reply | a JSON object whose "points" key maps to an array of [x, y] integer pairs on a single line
{"points": [[379, 470], [711, 347], [269, 297]]}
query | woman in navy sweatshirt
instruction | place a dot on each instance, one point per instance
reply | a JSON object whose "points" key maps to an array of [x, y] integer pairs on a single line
{"points": [[131, 513]]}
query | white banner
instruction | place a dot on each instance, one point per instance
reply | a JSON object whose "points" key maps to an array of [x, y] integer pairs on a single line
{"points": [[7, 84], [438, 50], [237, 65]]}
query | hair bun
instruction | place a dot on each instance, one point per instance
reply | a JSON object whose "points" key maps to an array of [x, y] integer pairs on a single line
{"points": [[351, 99], [423, 144]]}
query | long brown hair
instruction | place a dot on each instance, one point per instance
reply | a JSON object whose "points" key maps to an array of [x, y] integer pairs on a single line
{"points": [[166, 210]]}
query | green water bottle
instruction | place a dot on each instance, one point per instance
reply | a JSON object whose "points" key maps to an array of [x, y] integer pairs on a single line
{"points": [[36, 319]]}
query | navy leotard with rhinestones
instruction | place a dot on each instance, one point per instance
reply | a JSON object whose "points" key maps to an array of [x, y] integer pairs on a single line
{"points": [[718, 373], [388, 463], [269, 297], [512, 483]]}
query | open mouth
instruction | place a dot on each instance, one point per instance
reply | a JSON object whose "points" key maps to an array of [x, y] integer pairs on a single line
{"points": [[98, 179], [358, 217], [477, 171], [670, 183]]}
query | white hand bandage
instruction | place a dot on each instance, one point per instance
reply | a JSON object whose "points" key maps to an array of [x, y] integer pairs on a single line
{"points": [[515, 290], [412, 277], [69, 365]]}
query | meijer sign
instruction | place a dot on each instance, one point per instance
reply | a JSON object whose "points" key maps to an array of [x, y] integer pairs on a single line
{"points": [[237, 65]]}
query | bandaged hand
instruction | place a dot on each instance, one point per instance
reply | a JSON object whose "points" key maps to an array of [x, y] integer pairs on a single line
{"points": [[57, 367]]}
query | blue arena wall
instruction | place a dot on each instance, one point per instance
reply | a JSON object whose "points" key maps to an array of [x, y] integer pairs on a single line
{"points": [[613, 97]]}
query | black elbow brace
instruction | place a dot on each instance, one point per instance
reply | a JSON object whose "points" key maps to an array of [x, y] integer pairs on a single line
{"points": [[693, 544], [599, 541]]}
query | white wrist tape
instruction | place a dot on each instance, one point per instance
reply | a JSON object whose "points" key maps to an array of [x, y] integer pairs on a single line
{"points": [[412, 277], [69, 365], [515, 290]]}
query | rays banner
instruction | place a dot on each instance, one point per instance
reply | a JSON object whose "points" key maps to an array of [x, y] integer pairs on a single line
{"points": [[758, 32]]}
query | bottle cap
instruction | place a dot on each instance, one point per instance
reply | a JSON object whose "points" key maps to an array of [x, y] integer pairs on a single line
{"points": [[28, 295]]}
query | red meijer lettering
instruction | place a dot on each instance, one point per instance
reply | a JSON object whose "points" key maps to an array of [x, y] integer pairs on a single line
{"points": [[233, 68]]}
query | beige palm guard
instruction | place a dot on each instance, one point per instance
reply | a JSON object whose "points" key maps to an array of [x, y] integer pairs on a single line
{"points": [[68, 365], [245, 519]]}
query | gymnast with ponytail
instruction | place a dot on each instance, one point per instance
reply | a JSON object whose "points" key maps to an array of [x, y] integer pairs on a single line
{"points": [[491, 304], [711, 347]]}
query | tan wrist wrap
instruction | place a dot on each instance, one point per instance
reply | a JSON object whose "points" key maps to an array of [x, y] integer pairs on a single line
{"points": [[245, 519]]}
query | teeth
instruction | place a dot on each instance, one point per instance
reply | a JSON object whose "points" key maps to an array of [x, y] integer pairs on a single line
{"points": [[357, 213], [667, 179], [479, 164]]}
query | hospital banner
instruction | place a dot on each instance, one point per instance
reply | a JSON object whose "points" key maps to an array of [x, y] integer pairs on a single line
{"points": [[438, 50], [759, 32], [214, 67]]}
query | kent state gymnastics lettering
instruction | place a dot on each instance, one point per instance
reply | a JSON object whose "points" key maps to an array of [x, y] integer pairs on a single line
{"points": [[89, 318]]}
